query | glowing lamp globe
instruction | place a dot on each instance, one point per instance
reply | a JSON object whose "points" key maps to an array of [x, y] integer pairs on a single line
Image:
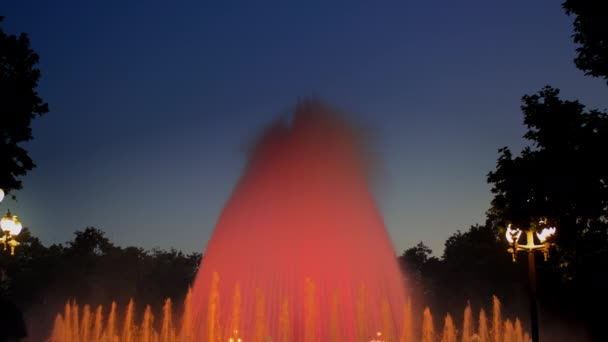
{"points": [[7, 223], [16, 229], [1, 195]]}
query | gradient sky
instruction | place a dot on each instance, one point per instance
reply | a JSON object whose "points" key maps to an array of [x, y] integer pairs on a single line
{"points": [[153, 103]]}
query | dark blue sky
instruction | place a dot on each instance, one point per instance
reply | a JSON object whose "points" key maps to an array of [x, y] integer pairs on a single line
{"points": [[153, 104]]}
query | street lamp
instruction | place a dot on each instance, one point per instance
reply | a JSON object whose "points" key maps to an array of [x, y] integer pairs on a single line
{"points": [[513, 235], [11, 227]]}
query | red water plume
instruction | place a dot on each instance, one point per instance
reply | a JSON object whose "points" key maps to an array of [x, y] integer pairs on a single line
{"points": [[300, 251]]}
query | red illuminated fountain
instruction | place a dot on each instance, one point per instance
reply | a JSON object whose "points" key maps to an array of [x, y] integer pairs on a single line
{"points": [[301, 244], [299, 253]]}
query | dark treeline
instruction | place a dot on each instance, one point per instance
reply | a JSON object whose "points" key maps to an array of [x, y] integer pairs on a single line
{"points": [[91, 270], [474, 267]]}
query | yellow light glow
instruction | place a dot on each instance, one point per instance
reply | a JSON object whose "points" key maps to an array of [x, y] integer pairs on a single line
{"points": [[236, 337], [379, 334], [11, 227], [7, 222], [12, 244], [545, 233], [512, 234], [16, 228]]}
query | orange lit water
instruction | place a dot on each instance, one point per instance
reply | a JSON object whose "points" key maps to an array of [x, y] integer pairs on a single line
{"points": [[80, 324]]}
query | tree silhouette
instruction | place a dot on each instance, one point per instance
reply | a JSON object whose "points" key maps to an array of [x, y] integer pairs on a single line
{"points": [[89, 243], [19, 104], [591, 33], [415, 263]]}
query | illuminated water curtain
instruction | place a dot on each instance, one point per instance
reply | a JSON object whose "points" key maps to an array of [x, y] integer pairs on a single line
{"points": [[84, 323], [303, 242]]}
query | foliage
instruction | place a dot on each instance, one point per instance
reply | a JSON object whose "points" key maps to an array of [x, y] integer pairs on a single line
{"points": [[414, 259], [591, 33], [417, 263], [19, 104], [474, 267]]}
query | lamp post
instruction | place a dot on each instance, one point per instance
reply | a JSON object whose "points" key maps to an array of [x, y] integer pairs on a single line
{"points": [[513, 235], [10, 227]]}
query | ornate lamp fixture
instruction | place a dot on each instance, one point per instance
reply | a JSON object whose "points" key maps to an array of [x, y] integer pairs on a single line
{"points": [[513, 235], [11, 227]]}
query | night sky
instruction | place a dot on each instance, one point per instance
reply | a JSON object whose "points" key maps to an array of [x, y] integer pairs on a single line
{"points": [[153, 104]]}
